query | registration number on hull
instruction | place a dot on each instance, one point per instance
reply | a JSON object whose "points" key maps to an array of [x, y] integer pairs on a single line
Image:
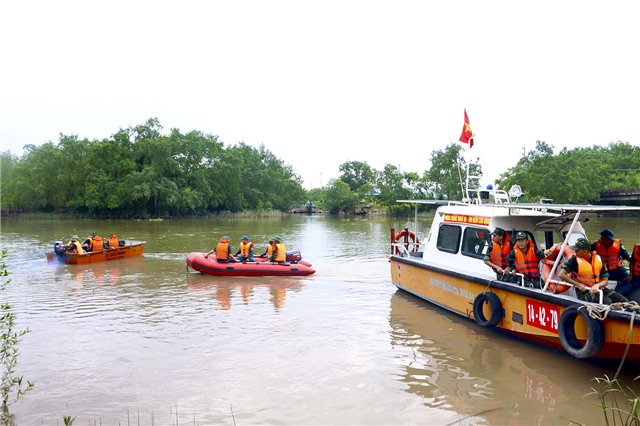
{"points": [[543, 315]]}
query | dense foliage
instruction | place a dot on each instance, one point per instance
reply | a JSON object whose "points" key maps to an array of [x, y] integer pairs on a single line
{"points": [[574, 176], [139, 172], [360, 184]]}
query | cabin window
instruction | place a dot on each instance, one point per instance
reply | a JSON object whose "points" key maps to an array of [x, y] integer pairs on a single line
{"points": [[476, 242], [449, 238]]}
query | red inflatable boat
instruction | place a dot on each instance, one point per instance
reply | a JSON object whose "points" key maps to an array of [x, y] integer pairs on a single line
{"points": [[294, 266]]}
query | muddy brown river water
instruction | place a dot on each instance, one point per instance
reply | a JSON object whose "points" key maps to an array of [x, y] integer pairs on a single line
{"points": [[145, 341]]}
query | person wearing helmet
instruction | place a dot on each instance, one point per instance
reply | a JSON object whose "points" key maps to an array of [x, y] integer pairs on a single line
{"points": [[496, 259], [94, 242], [74, 246], [587, 271], [612, 253], [525, 259], [268, 252], [222, 250], [279, 250], [245, 252], [114, 241]]}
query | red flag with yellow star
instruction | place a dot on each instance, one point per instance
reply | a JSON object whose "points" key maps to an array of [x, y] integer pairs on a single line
{"points": [[467, 134]]}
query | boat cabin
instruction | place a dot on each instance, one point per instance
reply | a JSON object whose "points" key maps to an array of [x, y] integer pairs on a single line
{"points": [[460, 234]]}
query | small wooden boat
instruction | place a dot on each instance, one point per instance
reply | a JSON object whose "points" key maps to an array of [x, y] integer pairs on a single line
{"points": [[128, 248], [261, 267]]}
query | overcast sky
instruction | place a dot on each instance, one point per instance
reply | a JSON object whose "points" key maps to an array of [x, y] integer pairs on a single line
{"points": [[324, 82]]}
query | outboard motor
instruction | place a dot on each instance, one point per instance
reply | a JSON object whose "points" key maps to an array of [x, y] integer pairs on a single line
{"points": [[58, 248], [294, 256]]}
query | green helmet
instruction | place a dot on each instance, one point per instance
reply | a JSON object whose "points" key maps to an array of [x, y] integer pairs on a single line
{"points": [[582, 244]]}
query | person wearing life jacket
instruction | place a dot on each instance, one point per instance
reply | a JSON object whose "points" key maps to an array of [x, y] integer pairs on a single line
{"points": [[74, 246], [496, 259], [245, 252], [222, 250], [525, 259], [590, 274], [625, 287], [279, 250], [113, 242], [268, 252], [612, 253], [94, 242]]}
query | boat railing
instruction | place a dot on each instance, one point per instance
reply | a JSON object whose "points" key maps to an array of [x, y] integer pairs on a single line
{"points": [[564, 283], [407, 250], [557, 283], [485, 196]]}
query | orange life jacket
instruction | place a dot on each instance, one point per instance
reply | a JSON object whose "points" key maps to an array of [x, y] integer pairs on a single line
{"points": [[96, 243], [75, 247], [114, 241], [527, 263], [498, 255], [222, 249], [281, 253], [245, 249], [589, 272], [610, 255], [634, 261]]}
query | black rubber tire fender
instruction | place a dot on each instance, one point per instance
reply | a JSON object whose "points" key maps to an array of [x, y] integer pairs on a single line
{"points": [[496, 309], [567, 333]]}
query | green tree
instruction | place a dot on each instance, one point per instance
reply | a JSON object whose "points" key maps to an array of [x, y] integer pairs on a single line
{"points": [[623, 161], [446, 177], [317, 197], [391, 184], [109, 163], [533, 172], [70, 179], [339, 197], [356, 174], [574, 176], [8, 199], [34, 182], [196, 153]]}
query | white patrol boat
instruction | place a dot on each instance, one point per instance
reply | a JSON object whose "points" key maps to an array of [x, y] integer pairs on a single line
{"points": [[447, 269]]}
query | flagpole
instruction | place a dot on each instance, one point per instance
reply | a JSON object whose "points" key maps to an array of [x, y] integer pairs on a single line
{"points": [[467, 138], [468, 152]]}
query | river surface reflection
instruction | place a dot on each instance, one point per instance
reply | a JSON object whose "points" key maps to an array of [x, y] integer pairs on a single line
{"points": [[147, 341]]}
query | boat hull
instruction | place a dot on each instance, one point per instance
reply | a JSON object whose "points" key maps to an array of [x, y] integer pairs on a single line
{"points": [[529, 314], [259, 268], [130, 249]]}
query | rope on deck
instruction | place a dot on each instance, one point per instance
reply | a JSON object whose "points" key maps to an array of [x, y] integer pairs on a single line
{"points": [[600, 312]]}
